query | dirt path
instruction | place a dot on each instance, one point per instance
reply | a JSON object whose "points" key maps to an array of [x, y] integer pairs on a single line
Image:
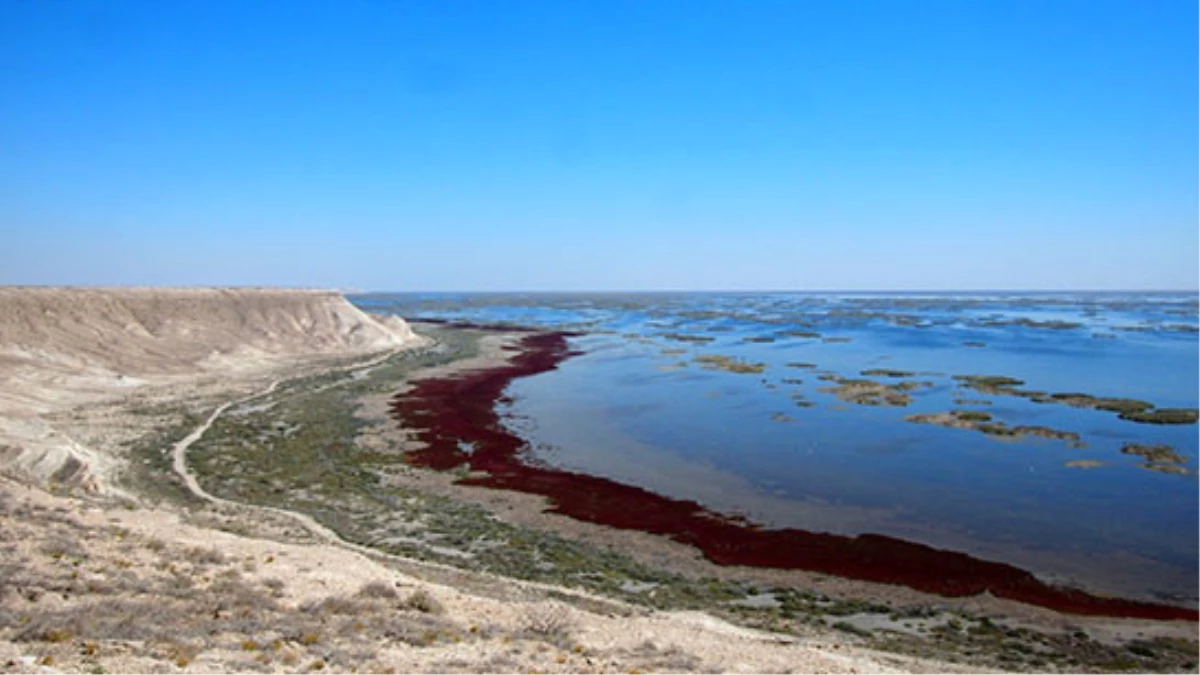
{"points": [[328, 536], [179, 463], [179, 451]]}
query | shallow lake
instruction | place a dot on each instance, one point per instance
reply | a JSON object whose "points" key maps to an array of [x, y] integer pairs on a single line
{"points": [[777, 443]]}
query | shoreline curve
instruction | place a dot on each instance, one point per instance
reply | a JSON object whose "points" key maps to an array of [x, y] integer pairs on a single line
{"points": [[453, 411]]}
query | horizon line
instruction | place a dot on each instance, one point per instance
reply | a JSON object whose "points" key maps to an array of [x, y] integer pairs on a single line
{"points": [[352, 290], [781, 290]]}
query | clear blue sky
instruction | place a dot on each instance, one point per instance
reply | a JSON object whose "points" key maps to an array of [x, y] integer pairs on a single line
{"points": [[784, 144]]}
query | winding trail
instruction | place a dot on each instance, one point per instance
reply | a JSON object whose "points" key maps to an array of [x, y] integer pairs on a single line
{"points": [[179, 450], [330, 537], [179, 463]]}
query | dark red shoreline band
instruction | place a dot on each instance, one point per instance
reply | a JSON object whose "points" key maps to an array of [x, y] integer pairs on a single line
{"points": [[460, 409]]}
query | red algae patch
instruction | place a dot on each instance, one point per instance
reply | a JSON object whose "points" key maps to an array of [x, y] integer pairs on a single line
{"points": [[455, 417]]}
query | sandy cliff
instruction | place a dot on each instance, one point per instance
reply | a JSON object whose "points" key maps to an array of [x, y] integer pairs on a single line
{"points": [[61, 348]]}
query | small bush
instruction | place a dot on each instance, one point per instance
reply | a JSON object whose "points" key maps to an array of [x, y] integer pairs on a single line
{"points": [[378, 589], [333, 605], [549, 621], [275, 586], [423, 602], [56, 635], [155, 544], [204, 556], [181, 654]]}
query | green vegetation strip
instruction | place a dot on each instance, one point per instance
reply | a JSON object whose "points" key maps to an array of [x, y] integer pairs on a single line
{"points": [[1129, 409]]}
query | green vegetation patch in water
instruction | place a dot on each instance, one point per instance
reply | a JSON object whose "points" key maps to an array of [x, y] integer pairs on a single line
{"points": [[983, 423], [1133, 410], [1156, 452], [729, 364], [887, 372], [870, 392], [684, 337], [1159, 457], [1163, 416]]}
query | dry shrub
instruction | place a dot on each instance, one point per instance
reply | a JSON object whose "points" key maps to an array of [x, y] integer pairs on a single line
{"points": [[109, 619], [650, 657], [234, 593], [416, 630], [181, 653], [59, 546], [204, 556], [423, 602], [275, 586], [378, 589], [549, 622], [333, 605], [155, 544]]}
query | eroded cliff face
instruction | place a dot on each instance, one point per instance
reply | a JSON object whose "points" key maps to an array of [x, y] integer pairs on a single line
{"points": [[64, 348]]}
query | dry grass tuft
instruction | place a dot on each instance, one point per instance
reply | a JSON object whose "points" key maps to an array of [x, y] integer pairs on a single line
{"points": [[550, 622]]}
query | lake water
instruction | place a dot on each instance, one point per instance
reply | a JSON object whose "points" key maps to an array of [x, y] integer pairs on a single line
{"points": [[638, 407]]}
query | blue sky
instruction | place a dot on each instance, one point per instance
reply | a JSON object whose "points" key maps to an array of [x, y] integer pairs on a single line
{"points": [[780, 144]]}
